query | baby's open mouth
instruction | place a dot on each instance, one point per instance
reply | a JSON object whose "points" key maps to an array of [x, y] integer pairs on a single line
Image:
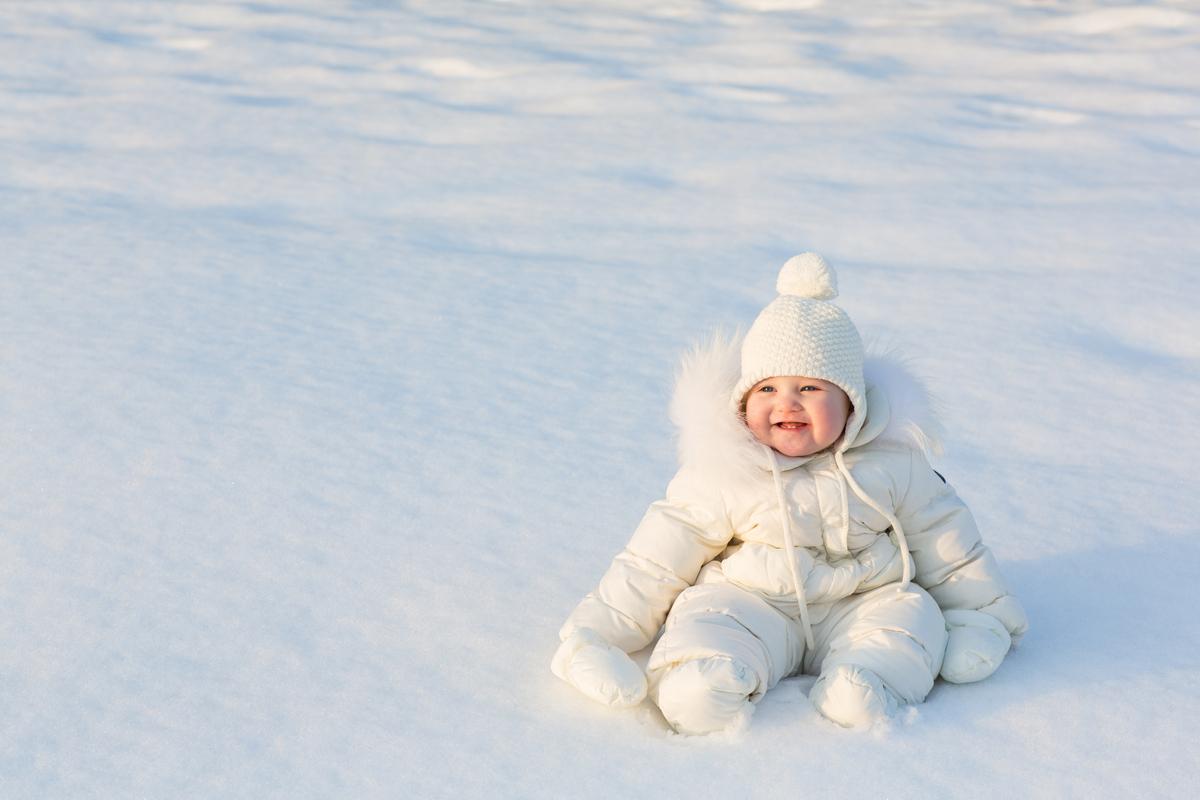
{"points": [[792, 426]]}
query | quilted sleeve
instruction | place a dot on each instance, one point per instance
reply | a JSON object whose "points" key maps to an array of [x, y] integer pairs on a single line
{"points": [[676, 537], [950, 559]]}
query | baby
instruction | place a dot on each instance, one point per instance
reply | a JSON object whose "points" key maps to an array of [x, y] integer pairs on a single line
{"points": [[804, 533]]}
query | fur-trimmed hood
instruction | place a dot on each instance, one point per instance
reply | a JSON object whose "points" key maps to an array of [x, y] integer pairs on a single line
{"points": [[714, 439]]}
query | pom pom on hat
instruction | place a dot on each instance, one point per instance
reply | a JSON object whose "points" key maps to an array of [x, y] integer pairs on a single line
{"points": [[807, 275]]}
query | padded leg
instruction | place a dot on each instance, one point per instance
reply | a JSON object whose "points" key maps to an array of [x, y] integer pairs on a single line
{"points": [[721, 650], [884, 648]]}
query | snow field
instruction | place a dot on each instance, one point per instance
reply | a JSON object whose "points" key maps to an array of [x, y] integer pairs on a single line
{"points": [[336, 340]]}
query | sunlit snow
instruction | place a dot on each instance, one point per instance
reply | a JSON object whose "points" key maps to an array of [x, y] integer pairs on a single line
{"points": [[336, 340]]}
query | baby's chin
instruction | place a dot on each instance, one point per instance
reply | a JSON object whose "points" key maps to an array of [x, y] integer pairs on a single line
{"points": [[793, 450], [798, 453]]}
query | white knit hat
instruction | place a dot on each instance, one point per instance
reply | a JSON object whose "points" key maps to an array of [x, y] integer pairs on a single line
{"points": [[799, 333]]}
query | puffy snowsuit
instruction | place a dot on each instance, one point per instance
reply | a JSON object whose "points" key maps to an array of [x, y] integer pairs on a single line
{"points": [[886, 556]]}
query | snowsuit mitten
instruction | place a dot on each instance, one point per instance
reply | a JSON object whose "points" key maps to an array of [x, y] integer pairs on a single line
{"points": [[976, 645], [599, 670]]}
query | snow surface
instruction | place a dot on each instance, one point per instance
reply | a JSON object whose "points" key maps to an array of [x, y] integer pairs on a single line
{"points": [[336, 339]]}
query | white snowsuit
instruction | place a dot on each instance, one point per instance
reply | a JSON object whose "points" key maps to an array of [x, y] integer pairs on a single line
{"points": [[862, 519]]}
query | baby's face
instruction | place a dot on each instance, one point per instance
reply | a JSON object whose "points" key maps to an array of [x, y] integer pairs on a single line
{"points": [[796, 416]]}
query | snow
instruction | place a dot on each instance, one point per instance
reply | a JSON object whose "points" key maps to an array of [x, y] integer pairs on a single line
{"points": [[336, 340]]}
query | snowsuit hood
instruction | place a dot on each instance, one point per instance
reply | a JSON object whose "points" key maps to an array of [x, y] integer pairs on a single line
{"points": [[713, 437]]}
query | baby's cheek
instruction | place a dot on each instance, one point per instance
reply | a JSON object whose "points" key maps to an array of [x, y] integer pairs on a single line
{"points": [[758, 429]]}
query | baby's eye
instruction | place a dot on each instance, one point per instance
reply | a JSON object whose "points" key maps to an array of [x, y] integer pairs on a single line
{"points": [[766, 388], [810, 388]]}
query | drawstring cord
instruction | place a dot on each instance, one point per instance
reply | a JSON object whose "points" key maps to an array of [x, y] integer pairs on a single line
{"points": [[786, 522], [901, 542]]}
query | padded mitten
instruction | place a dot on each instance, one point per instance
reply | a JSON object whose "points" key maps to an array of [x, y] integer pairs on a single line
{"points": [[599, 670], [1011, 614], [977, 644]]}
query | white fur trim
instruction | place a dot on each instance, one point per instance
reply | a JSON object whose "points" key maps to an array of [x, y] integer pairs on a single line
{"points": [[913, 416], [712, 435]]}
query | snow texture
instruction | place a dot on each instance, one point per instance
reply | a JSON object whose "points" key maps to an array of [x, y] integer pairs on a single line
{"points": [[336, 340]]}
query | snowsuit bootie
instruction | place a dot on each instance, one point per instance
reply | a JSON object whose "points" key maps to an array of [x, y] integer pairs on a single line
{"points": [[853, 697], [706, 695]]}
